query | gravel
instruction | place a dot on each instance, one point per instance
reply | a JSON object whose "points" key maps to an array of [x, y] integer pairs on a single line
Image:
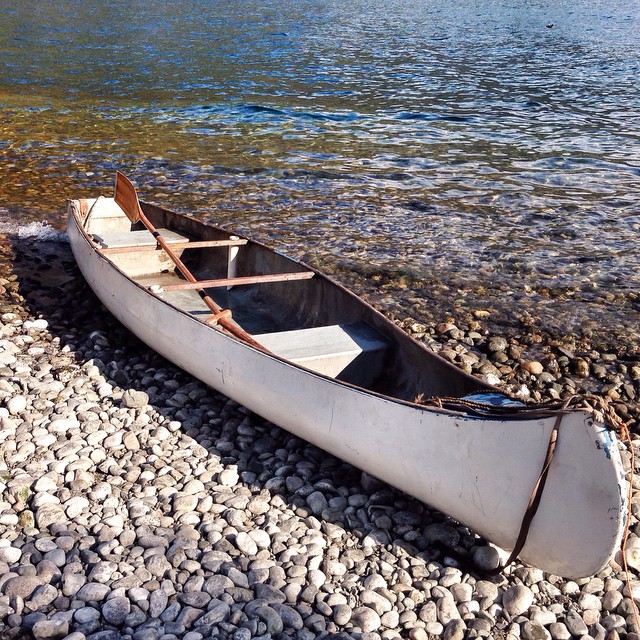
{"points": [[137, 504]]}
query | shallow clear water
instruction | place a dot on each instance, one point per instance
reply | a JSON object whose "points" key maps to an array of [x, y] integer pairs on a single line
{"points": [[467, 144]]}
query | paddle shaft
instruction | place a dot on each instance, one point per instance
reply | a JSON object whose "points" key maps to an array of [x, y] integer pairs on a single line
{"points": [[126, 196], [225, 323]]}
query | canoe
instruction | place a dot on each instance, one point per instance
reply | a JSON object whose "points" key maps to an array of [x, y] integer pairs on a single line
{"points": [[294, 346]]}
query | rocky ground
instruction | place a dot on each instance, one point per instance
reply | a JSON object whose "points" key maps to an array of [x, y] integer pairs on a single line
{"points": [[138, 504]]}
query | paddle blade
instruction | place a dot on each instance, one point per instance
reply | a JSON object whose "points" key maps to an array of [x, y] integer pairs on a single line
{"points": [[126, 196]]}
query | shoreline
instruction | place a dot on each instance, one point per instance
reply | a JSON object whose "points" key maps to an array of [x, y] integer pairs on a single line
{"points": [[139, 504]]}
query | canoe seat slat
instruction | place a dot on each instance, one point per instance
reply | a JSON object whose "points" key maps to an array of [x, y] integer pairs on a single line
{"points": [[142, 238], [194, 244], [268, 278], [348, 351]]}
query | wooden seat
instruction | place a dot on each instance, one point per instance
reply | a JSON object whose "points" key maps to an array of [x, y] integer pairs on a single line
{"points": [[349, 351], [136, 239], [136, 252]]}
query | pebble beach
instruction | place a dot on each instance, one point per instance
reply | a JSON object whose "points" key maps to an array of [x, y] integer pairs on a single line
{"points": [[137, 504]]}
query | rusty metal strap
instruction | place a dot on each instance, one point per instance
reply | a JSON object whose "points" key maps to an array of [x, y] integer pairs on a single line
{"points": [[534, 499]]}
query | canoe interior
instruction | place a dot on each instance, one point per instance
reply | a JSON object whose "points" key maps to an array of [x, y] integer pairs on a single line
{"points": [[311, 321]]}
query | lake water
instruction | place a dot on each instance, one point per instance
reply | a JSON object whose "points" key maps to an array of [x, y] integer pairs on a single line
{"points": [[477, 152]]}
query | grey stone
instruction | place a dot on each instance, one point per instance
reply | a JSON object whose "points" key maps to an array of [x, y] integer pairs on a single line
{"points": [[486, 558], [86, 614], [575, 624], [184, 503], [376, 601], [44, 595], [171, 612], [259, 505], [102, 571], [271, 618], [149, 541], [228, 477], [439, 532], [76, 506], [497, 343], [71, 583], [366, 619], [115, 610], [21, 586], [447, 610], [246, 544], [455, 630], [317, 502], [342, 614], [461, 592], [93, 592], [198, 599], [217, 585], [238, 578], [158, 601], [534, 631], [269, 593], [157, 565], [559, 631], [50, 629], [108, 634], [217, 612], [291, 619], [188, 616], [57, 557]]}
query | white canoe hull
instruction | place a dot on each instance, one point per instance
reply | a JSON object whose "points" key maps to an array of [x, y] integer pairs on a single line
{"points": [[480, 471]]}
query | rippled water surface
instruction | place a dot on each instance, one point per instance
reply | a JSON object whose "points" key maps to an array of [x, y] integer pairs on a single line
{"points": [[485, 146]]}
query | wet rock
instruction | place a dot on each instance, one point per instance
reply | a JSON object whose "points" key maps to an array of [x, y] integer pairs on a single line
{"points": [[533, 367], [580, 367]]}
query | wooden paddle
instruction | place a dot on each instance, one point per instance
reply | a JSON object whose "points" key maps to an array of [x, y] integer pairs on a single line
{"points": [[127, 198]]}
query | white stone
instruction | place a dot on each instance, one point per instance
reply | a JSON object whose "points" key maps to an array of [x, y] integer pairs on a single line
{"points": [[76, 506], [632, 552], [10, 555], [516, 600], [228, 477], [45, 484], [17, 405]]}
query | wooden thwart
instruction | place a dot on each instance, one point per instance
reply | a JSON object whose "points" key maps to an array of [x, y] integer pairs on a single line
{"points": [[198, 244], [239, 280]]}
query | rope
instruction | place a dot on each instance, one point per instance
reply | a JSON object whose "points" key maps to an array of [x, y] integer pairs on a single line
{"points": [[624, 431], [534, 499], [85, 222], [603, 411]]}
